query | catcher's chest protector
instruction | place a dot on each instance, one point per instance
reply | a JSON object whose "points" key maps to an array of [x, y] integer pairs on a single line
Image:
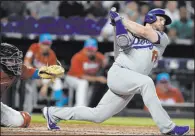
{"points": [[6, 81]]}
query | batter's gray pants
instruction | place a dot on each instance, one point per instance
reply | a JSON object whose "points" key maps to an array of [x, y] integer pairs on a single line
{"points": [[123, 84]]}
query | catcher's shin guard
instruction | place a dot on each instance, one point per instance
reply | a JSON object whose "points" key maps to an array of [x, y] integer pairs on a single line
{"points": [[27, 118]]}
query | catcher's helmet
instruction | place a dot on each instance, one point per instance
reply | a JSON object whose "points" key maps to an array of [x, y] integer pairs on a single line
{"points": [[11, 59], [150, 17]]}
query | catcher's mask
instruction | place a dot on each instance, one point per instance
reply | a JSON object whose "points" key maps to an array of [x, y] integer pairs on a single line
{"points": [[11, 59]]}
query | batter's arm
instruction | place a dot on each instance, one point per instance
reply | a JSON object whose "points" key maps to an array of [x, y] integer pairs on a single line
{"points": [[121, 37], [144, 31]]}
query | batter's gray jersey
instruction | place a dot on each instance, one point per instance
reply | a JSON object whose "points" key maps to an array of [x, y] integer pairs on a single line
{"points": [[143, 54]]}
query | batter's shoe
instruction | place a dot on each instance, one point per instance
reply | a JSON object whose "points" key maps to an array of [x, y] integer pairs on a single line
{"points": [[179, 130], [50, 124]]}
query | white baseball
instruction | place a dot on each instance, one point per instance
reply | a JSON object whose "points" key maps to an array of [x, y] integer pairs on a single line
{"points": [[113, 9]]}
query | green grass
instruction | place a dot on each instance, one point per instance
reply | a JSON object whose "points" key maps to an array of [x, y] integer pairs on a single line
{"points": [[125, 121]]}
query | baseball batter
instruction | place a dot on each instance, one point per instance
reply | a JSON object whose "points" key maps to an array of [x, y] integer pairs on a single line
{"points": [[140, 46]]}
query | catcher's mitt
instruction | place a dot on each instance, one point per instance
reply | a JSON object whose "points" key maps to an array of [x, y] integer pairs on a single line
{"points": [[51, 72]]}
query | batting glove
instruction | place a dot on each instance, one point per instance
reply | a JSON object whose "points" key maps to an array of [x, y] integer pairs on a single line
{"points": [[116, 21], [114, 16]]}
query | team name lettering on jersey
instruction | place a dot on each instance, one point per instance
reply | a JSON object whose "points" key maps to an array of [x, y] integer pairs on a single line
{"points": [[138, 41], [141, 43]]}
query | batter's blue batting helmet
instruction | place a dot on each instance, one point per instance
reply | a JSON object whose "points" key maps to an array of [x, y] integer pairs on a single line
{"points": [[150, 17]]}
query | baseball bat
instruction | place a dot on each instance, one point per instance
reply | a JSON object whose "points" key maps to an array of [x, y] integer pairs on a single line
{"points": [[116, 47]]}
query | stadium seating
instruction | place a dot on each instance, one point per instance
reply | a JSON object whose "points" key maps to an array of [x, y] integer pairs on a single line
{"points": [[74, 25]]}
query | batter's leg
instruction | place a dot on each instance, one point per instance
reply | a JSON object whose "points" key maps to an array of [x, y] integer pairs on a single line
{"points": [[124, 81], [109, 105], [155, 108], [10, 117]]}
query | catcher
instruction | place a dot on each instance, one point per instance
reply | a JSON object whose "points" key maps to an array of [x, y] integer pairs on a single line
{"points": [[13, 69]]}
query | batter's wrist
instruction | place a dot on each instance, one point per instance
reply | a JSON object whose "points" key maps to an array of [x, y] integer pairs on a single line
{"points": [[120, 28]]}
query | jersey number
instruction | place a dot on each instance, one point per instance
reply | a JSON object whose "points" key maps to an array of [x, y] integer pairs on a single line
{"points": [[154, 55]]}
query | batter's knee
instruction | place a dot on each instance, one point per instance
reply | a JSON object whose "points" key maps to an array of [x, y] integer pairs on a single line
{"points": [[148, 91], [147, 86], [99, 119]]}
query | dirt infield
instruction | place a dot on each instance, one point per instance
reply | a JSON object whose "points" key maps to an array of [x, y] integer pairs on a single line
{"points": [[83, 129]]}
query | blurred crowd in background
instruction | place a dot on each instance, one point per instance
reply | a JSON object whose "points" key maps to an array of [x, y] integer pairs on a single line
{"points": [[88, 68], [181, 12]]}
